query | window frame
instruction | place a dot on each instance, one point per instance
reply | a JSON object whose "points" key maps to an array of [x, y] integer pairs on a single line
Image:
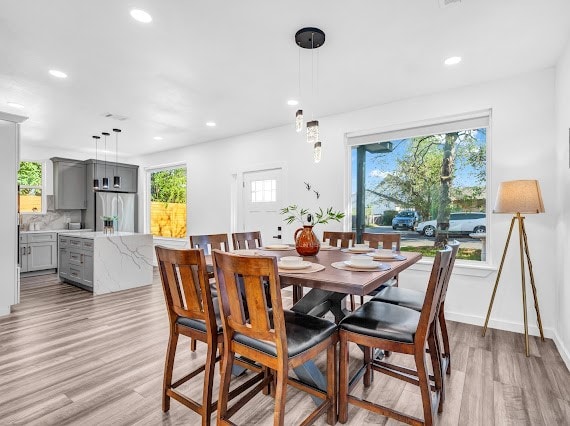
{"points": [[356, 138], [147, 196], [43, 187]]}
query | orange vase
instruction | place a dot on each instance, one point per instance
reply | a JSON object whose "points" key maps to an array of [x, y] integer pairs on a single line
{"points": [[306, 242]]}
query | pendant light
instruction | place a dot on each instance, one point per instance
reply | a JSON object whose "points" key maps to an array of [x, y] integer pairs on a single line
{"points": [[116, 178], [95, 179], [310, 38], [105, 178]]}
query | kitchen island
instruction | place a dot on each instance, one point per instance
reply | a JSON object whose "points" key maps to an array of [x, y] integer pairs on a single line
{"points": [[104, 263]]}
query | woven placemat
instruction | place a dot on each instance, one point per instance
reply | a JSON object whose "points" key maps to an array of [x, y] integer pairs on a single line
{"points": [[344, 267], [329, 248], [348, 250], [315, 267], [276, 249], [388, 259]]}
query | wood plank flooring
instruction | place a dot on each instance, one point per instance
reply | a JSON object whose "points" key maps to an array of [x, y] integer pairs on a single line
{"points": [[68, 358]]}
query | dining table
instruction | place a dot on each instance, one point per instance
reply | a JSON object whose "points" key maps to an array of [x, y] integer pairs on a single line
{"points": [[330, 286]]}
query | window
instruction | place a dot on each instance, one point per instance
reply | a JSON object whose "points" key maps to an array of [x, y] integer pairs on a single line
{"points": [[30, 182], [435, 173], [263, 191], [167, 209]]}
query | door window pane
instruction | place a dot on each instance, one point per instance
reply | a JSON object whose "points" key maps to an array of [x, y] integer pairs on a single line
{"points": [[263, 191], [168, 202]]}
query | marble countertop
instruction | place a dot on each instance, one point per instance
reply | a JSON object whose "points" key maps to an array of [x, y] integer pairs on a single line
{"points": [[100, 234], [59, 231]]}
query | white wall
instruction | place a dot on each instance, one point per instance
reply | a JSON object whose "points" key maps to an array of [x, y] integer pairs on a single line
{"points": [[563, 219], [520, 147]]}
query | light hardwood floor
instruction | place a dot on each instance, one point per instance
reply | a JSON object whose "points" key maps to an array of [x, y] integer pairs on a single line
{"points": [[67, 357]]}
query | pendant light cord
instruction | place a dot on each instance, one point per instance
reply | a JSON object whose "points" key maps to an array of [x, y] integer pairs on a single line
{"points": [[313, 75]]}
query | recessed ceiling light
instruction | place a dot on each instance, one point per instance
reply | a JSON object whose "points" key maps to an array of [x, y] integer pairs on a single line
{"points": [[157, 138], [211, 124], [292, 102], [141, 16], [16, 105], [58, 74], [454, 60]]}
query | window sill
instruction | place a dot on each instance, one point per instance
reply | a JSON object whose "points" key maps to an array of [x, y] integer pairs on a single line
{"points": [[472, 269]]}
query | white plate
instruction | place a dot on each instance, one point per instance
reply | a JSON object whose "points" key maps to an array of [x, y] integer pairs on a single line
{"points": [[360, 250], [277, 247], [245, 252], [381, 256], [301, 265], [375, 265]]}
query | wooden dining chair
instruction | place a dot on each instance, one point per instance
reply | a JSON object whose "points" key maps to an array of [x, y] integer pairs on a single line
{"points": [[208, 242], [247, 240], [384, 241], [414, 299], [397, 329], [277, 339], [191, 313], [340, 239]]}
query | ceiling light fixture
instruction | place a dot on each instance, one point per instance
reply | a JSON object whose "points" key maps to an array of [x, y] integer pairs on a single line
{"points": [[292, 102], [116, 177], [95, 179], [105, 178], [16, 105], [453, 60], [157, 138], [58, 74], [141, 16], [310, 38], [211, 124]]}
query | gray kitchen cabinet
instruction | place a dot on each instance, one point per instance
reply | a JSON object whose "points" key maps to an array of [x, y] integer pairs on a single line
{"points": [[127, 172], [38, 252], [76, 261], [69, 177]]}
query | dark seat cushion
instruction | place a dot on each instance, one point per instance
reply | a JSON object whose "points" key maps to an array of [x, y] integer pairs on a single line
{"points": [[200, 325], [303, 332], [383, 320], [412, 299]]}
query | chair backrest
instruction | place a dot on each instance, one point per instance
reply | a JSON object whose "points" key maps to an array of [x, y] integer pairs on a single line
{"points": [[242, 295], [185, 284], [247, 240], [210, 242], [345, 238], [454, 249], [432, 299], [385, 239]]}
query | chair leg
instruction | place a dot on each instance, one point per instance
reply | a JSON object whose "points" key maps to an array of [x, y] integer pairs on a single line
{"points": [[193, 345], [445, 338], [331, 384], [368, 365], [168, 367], [226, 375], [208, 384], [352, 303], [424, 385], [280, 396], [343, 379], [361, 300], [435, 356]]}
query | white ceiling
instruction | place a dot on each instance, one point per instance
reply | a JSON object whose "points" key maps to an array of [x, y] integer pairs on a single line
{"points": [[236, 63]]}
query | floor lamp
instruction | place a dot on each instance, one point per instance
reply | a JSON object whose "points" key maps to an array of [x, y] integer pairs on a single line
{"points": [[516, 197]]}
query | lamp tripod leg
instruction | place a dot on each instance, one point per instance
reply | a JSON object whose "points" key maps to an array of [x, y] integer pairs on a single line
{"points": [[521, 244], [498, 276], [528, 261]]}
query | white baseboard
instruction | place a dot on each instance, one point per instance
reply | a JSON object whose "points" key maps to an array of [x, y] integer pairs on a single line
{"points": [[4, 310], [499, 324], [562, 350]]}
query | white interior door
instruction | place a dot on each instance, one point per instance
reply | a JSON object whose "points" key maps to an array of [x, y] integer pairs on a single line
{"points": [[261, 200]]}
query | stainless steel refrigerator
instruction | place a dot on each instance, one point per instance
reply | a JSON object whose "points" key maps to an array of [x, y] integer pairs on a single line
{"points": [[122, 205]]}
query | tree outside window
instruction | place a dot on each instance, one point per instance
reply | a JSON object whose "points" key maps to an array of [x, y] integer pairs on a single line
{"points": [[168, 202], [431, 176], [30, 181]]}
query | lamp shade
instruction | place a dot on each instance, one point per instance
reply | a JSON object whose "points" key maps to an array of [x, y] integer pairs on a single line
{"points": [[519, 196]]}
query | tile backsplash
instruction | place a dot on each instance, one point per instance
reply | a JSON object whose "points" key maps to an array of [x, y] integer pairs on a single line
{"points": [[51, 220]]}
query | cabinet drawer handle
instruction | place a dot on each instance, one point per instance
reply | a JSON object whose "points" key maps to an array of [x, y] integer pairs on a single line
{"points": [[30, 250], [81, 257]]}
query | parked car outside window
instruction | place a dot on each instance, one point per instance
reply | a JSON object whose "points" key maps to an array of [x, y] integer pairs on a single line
{"points": [[459, 223], [406, 219]]}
